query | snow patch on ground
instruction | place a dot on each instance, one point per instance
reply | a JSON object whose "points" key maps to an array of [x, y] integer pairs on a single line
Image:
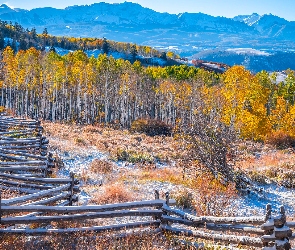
{"points": [[59, 51], [77, 163], [250, 204], [95, 52], [255, 202]]}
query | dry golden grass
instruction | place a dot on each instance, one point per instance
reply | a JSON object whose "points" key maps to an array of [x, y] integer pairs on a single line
{"points": [[254, 158], [204, 194], [274, 158], [266, 158], [89, 241], [172, 175], [68, 137], [264, 163], [144, 150], [113, 193]]}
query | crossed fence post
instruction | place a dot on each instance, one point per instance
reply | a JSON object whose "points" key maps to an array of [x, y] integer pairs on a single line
{"points": [[50, 164], [72, 188], [276, 232], [0, 206], [167, 199]]}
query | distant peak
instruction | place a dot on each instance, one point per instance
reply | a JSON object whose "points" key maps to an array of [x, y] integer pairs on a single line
{"points": [[274, 17], [4, 6], [130, 3]]}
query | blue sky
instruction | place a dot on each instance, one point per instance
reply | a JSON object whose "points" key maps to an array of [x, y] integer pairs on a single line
{"points": [[227, 8]]}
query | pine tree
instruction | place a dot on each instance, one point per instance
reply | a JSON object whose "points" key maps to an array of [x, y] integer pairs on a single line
{"points": [[45, 32], [14, 45], [105, 46], [23, 45], [163, 56], [133, 52], [33, 33], [2, 43], [52, 49], [45, 36]]}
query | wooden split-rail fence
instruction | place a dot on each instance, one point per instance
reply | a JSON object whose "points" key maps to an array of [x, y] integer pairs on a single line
{"points": [[26, 169]]}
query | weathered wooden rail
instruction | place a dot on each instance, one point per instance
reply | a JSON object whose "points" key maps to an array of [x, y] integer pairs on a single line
{"points": [[269, 232], [26, 166]]}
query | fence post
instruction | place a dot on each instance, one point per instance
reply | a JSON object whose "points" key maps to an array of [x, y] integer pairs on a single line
{"points": [[43, 152], [268, 226], [276, 232], [281, 231], [39, 134], [38, 125], [0, 205], [50, 163], [72, 188], [167, 194], [167, 197], [157, 195]]}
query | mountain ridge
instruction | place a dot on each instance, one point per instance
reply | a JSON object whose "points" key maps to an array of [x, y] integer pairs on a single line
{"points": [[128, 13], [185, 33]]}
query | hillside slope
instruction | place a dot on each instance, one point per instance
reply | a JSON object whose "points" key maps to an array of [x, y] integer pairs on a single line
{"points": [[131, 22]]}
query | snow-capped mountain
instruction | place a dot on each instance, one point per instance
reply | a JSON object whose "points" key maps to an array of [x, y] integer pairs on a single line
{"points": [[129, 15], [101, 19], [126, 13], [203, 22], [5, 9], [184, 33], [269, 25], [248, 19]]}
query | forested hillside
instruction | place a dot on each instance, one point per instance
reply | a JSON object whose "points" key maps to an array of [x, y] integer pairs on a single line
{"points": [[76, 88], [18, 38]]}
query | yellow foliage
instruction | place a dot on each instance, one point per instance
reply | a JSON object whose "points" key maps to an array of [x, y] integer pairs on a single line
{"points": [[245, 101], [283, 117]]}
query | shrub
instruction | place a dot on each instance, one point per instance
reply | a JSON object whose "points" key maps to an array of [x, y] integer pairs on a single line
{"points": [[114, 193], [101, 166], [213, 196], [207, 140], [259, 177], [58, 162], [280, 139], [133, 156], [184, 199], [92, 129], [151, 127], [2, 109], [79, 141]]}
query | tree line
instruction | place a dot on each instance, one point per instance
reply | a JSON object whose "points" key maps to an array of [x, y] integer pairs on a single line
{"points": [[76, 88]]}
